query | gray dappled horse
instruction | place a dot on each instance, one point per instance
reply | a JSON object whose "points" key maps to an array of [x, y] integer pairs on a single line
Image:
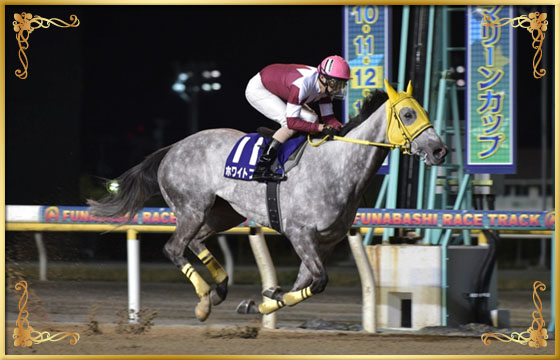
{"points": [[318, 201]]}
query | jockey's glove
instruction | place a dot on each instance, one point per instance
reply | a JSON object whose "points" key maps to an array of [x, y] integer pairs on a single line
{"points": [[330, 132]]}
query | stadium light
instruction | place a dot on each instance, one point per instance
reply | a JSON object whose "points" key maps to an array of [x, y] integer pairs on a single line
{"points": [[192, 79], [183, 77], [179, 87]]}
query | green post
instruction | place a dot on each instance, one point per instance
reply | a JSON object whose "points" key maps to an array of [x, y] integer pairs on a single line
{"points": [[378, 204], [433, 171], [394, 163], [426, 102], [444, 245]]}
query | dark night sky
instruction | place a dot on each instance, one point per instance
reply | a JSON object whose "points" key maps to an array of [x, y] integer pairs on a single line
{"points": [[96, 94]]}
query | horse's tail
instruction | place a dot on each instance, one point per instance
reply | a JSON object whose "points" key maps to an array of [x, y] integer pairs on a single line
{"points": [[135, 186]]}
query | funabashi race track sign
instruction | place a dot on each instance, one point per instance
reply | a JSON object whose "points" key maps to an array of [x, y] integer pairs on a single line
{"points": [[365, 217]]}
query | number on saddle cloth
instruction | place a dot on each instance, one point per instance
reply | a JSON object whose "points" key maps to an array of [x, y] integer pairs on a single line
{"points": [[243, 157]]}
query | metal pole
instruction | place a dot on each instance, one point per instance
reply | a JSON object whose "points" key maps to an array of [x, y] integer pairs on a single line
{"points": [[459, 152], [433, 171], [394, 162], [266, 269], [380, 197], [133, 262], [367, 280], [193, 123], [444, 245], [426, 102], [228, 258], [42, 256]]}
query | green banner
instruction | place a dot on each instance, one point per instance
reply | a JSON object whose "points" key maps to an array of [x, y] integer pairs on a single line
{"points": [[490, 127]]}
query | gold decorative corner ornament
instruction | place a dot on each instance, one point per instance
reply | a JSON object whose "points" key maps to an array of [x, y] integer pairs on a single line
{"points": [[24, 335], [536, 24], [24, 24], [535, 336]]}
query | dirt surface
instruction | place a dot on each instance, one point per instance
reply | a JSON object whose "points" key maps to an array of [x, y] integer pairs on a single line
{"points": [[68, 305]]}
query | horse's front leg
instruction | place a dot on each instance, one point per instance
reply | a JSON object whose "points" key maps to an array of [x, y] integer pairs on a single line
{"points": [[312, 279], [306, 284]]}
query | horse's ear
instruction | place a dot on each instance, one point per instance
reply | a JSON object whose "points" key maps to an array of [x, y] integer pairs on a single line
{"points": [[409, 88], [393, 96]]}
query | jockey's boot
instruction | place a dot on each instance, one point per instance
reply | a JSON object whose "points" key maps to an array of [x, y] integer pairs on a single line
{"points": [[262, 170]]}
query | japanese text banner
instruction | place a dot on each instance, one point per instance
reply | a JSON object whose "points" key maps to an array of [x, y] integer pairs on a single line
{"points": [[490, 124]]}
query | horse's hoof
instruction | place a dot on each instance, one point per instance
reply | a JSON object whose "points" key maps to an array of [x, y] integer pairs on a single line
{"points": [[216, 298], [219, 294], [274, 293], [247, 307], [202, 310]]}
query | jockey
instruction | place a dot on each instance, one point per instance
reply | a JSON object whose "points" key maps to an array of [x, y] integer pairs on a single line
{"points": [[281, 92]]}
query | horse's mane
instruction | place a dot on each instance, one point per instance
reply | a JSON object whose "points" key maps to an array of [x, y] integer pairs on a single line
{"points": [[369, 105]]}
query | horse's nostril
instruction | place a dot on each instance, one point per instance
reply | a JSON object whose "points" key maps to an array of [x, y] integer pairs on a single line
{"points": [[440, 153]]}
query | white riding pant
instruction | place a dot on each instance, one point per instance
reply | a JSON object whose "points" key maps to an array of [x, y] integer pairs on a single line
{"points": [[274, 108]]}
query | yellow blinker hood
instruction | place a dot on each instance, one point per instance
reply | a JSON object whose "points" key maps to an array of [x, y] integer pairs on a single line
{"points": [[398, 133]]}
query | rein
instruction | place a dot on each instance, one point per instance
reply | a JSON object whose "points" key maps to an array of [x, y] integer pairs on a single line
{"points": [[403, 148], [353, 141]]}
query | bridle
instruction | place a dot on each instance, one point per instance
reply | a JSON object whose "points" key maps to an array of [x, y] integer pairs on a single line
{"points": [[399, 136]]}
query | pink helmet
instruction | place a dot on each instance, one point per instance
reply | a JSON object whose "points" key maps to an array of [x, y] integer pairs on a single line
{"points": [[335, 66]]}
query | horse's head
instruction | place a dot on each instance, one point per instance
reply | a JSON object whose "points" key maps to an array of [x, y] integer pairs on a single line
{"points": [[409, 127]]}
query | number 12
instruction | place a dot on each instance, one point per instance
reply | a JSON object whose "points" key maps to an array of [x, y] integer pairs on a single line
{"points": [[369, 80]]}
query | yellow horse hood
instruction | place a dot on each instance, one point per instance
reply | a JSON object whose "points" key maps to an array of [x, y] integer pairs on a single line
{"points": [[402, 131]]}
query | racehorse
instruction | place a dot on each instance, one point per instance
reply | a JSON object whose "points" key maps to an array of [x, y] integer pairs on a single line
{"points": [[318, 201]]}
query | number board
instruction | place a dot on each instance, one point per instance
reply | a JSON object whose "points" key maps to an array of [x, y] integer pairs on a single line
{"points": [[490, 92], [366, 48]]}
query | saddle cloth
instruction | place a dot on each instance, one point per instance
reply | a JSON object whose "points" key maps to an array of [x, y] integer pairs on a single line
{"points": [[243, 157]]}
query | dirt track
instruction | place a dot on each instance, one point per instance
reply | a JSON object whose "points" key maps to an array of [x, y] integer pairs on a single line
{"points": [[67, 306]]}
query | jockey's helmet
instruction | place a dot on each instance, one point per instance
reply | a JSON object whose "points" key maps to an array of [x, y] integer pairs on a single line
{"points": [[336, 72]]}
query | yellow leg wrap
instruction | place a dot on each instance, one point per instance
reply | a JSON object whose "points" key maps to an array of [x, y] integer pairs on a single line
{"points": [[217, 271], [295, 297], [269, 306], [200, 286]]}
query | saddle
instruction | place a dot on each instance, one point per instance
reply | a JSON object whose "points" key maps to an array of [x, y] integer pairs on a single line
{"points": [[243, 157]]}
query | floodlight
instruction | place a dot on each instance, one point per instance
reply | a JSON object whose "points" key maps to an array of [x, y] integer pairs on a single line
{"points": [[179, 87]]}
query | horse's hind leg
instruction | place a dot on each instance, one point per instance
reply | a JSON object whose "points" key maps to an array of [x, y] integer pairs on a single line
{"points": [[192, 232], [218, 273], [174, 249], [221, 217]]}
